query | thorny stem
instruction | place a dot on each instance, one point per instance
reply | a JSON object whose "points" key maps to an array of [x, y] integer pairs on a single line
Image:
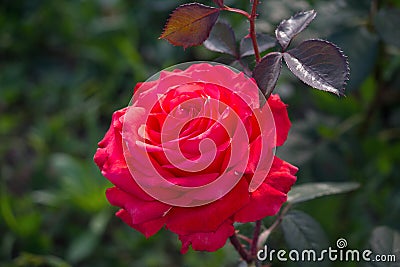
{"points": [[240, 249], [258, 239], [256, 234], [253, 249], [252, 19], [253, 36], [264, 235]]}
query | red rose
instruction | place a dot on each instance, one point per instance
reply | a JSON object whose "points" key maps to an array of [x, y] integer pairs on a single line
{"points": [[194, 153]]}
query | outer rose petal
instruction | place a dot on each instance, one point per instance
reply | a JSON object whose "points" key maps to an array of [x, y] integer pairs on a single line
{"points": [[148, 228], [282, 122], [210, 241], [265, 201], [110, 159], [269, 197], [281, 175], [140, 211], [209, 217]]}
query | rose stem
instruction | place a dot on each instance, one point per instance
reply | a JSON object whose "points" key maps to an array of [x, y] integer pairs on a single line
{"points": [[239, 248], [252, 19], [244, 238], [256, 234], [253, 36], [264, 235]]}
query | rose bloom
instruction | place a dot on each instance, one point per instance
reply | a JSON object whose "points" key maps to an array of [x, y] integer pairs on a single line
{"points": [[187, 98]]}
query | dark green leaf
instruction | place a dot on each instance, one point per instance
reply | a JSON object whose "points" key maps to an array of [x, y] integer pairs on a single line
{"points": [[319, 64], [387, 25], [305, 192], [264, 42], [289, 28], [266, 72], [361, 48], [385, 241], [190, 24], [222, 39], [302, 232]]}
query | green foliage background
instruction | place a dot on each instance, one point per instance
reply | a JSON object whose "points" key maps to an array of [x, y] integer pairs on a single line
{"points": [[65, 66]]}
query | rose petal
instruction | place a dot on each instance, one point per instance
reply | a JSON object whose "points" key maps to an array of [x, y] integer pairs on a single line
{"points": [[269, 197], [243, 86], [147, 229], [209, 241], [254, 155], [194, 180], [265, 201], [209, 217], [140, 211], [281, 175], [281, 117], [110, 159]]}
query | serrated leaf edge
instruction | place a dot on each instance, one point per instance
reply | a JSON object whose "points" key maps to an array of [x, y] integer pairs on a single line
{"points": [[175, 10], [285, 20], [346, 79]]}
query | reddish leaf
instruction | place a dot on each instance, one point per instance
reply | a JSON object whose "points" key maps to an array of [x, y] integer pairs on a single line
{"points": [[220, 3], [190, 24]]}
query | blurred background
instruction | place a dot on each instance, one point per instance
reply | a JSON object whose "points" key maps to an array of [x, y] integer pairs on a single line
{"points": [[66, 65]]}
